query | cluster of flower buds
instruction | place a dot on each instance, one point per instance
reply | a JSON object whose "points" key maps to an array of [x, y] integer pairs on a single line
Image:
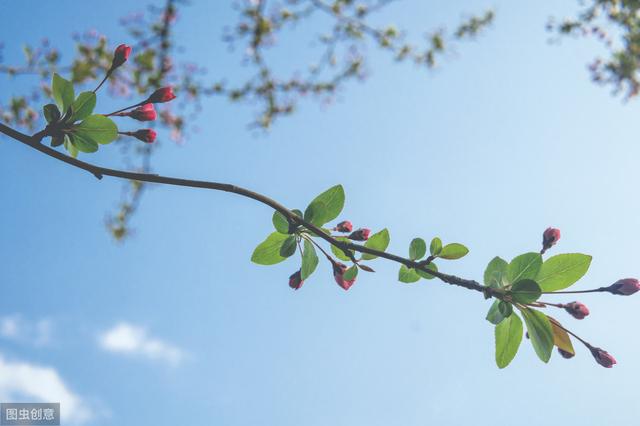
{"points": [[549, 238], [361, 234], [577, 310], [142, 111]]}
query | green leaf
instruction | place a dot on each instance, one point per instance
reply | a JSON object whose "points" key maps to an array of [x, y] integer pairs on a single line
{"points": [[562, 271], [98, 128], [280, 222], [453, 251], [540, 332], [378, 241], [82, 143], [494, 315], [525, 266], [338, 252], [288, 246], [506, 309], [496, 270], [51, 113], [407, 275], [71, 149], [326, 206], [351, 273], [427, 276], [526, 291], [83, 106], [309, 260], [268, 251], [436, 246], [62, 91], [508, 337], [561, 338], [417, 249]]}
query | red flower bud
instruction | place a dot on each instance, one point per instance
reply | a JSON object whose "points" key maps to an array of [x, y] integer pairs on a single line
{"points": [[624, 287], [338, 273], [164, 94], [565, 354], [145, 135], [344, 226], [144, 113], [602, 357], [120, 56], [577, 310], [295, 280], [361, 234], [549, 238]]}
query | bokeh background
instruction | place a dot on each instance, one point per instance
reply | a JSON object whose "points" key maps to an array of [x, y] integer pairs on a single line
{"points": [[176, 326]]}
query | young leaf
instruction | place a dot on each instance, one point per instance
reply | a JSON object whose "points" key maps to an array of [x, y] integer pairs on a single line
{"points": [[417, 249], [288, 246], [268, 251], [540, 332], [280, 222], [427, 276], [494, 315], [351, 273], [562, 271], [73, 151], [62, 91], [378, 241], [453, 251], [326, 206], [98, 128], [526, 291], [561, 339], [496, 270], [309, 260], [525, 266], [338, 252], [83, 106], [508, 337], [51, 113], [506, 309], [407, 275], [436, 246], [83, 144]]}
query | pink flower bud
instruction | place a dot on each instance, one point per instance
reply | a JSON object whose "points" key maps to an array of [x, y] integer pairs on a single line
{"points": [[295, 280], [624, 287], [164, 94], [576, 310], [565, 354], [361, 234], [549, 238], [120, 56], [602, 357], [145, 135], [344, 226], [338, 273], [145, 112]]}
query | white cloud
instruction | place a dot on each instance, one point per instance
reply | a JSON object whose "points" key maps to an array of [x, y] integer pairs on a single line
{"points": [[15, 327], [24, 382], [129, 339]]}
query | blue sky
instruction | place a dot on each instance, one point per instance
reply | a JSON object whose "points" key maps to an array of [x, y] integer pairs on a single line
{"points": [[507, 137]]}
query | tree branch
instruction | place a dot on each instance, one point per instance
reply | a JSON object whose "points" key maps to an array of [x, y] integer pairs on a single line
{"points": [[98, 171]]}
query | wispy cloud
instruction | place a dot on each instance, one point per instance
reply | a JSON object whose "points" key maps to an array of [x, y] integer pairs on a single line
{"points": [[130, 339], [21, 381], [17, 328]]}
